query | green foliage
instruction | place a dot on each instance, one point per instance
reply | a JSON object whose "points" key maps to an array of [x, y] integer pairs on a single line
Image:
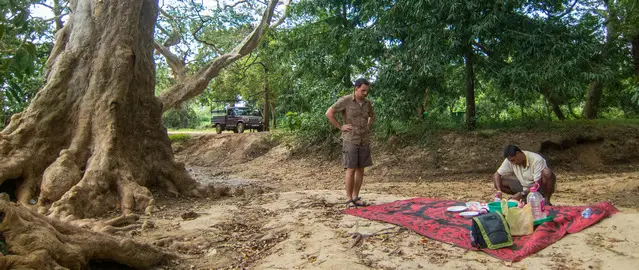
{"points": [[315, 132], [181, 118], [24, 47], [292, 121], [528, 56]]}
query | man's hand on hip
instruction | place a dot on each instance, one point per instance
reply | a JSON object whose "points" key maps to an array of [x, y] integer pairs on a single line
{"points": [[347, 128]]}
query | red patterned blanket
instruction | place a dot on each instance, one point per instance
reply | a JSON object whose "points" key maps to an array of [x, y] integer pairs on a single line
{"points": [[429, 217]]}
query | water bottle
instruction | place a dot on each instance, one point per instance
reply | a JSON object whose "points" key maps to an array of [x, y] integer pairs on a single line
{"points": [[536, 201], [586, 213]]}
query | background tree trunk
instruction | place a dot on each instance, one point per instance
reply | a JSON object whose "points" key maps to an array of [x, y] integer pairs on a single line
{"points": [[557, 110], [424, 106], [595, 89], [274, 115], [470, 90], [267, 103], [554, 103], [92, 139]]}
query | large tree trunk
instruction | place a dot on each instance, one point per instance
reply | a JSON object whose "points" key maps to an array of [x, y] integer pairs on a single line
{"points": [[595, 89], [37, 242], [470, 90], [92, 140]]}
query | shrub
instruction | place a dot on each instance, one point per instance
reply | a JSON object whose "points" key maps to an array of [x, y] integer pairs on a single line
{"points": [[180, 118]]}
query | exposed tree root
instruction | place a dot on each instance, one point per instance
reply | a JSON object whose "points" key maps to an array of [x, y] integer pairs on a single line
{"points": [[38, 242]]}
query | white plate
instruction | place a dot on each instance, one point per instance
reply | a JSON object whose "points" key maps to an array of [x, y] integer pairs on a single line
{"points": [[469, 214], [456, 208], [473, 206]]}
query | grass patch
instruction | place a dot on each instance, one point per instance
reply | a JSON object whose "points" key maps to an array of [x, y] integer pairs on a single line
{"points": [[421, 133], [209, 129], [179, 137]]}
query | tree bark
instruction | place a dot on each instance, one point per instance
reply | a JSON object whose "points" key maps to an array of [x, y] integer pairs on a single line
{"points": [[424, 106], [470, 90], [595, 89], [557, 110], [554, 103], [267, 103], [274, 114], [92, 139], [195, 84], [37, 242], [175, 63]]}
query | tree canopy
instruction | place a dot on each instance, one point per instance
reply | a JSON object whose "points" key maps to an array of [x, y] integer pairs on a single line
{"points": [[489, 61]]}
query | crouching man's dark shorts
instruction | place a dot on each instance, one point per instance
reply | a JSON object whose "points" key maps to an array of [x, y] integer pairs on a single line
{"points": [[356, 155]]}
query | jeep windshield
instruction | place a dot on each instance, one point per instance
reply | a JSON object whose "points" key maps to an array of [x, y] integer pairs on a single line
{"points": [[243, 112]]}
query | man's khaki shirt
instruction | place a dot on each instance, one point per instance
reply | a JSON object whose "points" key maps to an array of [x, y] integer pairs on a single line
{"points": [[355, 114]]}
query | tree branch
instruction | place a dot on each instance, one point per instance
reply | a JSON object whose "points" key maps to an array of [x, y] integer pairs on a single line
{"points": [[167, 15], [45, 5], [215, 48], [566, 11], [197, 83], [234, 4], [251, 41], [202, 21], [176, 64], [281, 20]]}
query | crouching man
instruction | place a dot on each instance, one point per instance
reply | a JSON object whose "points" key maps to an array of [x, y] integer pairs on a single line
{"points": [[520, 170]]}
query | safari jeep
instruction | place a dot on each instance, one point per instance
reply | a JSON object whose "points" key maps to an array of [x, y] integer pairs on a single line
{"points": [[237, 119]]}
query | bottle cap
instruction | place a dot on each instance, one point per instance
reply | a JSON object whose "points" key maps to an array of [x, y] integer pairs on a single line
{"points": [[534, 188]]}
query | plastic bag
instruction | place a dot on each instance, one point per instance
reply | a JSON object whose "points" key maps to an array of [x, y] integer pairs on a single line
{"points": [[520, 220]]}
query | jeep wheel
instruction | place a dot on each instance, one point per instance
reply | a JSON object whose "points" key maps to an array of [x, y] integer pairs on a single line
{"points": [[240, 127], [218, 128]]}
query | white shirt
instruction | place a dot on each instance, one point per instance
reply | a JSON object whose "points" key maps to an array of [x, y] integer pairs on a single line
{"points": [[528, 174]]}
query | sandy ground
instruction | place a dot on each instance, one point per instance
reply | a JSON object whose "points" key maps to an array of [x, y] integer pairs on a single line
{"points": [[287, 213]]}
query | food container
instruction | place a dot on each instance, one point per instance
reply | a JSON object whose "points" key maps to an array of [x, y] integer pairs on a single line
{"points": [[496, 206]]}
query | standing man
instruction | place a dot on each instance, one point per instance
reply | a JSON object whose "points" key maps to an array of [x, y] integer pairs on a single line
{"points": [[528, 168], [357, 118]]}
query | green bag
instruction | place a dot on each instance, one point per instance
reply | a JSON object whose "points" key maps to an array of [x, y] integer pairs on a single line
{"points": [[490, 231]]}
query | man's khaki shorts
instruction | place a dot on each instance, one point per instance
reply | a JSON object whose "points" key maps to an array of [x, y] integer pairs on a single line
{"points": [[356, 155]]}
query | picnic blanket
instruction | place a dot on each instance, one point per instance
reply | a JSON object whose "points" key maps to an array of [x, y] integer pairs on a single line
{"points": [[429, 217]]}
